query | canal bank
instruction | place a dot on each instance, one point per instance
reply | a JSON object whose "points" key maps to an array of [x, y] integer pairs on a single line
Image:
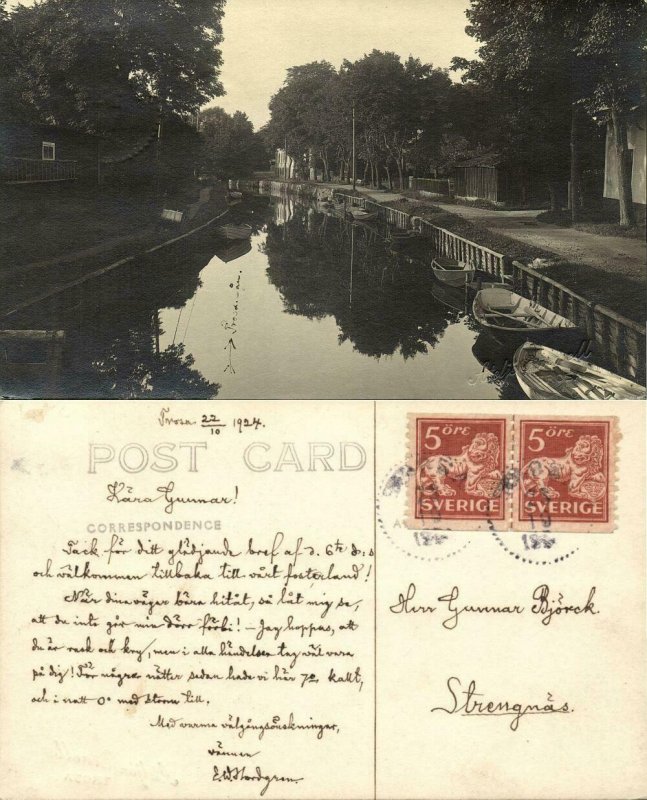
{"points": [[620, 338], [608, 273], [27, 281], [312, 306]]}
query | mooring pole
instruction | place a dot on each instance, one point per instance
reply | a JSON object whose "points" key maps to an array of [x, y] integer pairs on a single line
{"points": [[354, 177]]}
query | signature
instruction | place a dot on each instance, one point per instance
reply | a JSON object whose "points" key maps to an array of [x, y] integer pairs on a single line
{"points": [[242, 774]]}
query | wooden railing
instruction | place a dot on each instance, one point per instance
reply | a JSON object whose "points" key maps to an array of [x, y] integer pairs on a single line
{"points": [[33, 170], [443, 242], [449, 244], [620, 341]]}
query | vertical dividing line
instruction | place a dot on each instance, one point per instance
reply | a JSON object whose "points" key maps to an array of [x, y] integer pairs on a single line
{"points": [[374, 600]]}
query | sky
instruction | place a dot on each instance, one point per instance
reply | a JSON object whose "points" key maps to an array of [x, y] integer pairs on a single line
{"points": [[265, 37]]}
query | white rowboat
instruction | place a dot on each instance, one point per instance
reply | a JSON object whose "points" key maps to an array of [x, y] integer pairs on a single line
{"points": [[452, 272], [547, 374], [511, 317]]}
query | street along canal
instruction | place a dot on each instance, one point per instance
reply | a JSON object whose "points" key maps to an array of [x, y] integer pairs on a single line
{"points": [[312, 306]]}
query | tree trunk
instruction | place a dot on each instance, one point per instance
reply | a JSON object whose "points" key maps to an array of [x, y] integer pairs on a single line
{"points": [[553, 194], [324, 158], [575, 165], [398, 162], [388, 175], [623, 167]]}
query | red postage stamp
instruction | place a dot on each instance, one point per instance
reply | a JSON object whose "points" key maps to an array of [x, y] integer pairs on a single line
{"points": [[459, 469], [565, 474], [511, 473]]}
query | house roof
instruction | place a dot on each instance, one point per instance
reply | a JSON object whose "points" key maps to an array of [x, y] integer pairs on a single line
{"points": [[485, 159]]}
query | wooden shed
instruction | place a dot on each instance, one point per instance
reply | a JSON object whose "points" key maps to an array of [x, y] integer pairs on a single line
{"points": [[488, 177]]}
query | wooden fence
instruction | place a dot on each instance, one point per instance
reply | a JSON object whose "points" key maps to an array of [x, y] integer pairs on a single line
{"points": [[618, 340], [439, 186], [443, 242], [33, 170], [480, 182]]}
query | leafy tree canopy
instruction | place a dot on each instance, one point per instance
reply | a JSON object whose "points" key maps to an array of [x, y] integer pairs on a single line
{"points": [[68, 61]]}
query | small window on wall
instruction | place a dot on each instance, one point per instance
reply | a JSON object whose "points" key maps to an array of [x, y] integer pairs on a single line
{"points": [[49, 151]]}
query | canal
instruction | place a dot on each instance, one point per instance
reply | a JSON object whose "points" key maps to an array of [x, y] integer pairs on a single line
{"points": [[311, 307]]}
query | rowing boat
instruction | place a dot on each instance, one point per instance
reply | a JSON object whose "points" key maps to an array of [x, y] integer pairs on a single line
{"points": [[403, 236], [547, 374], [512, 318], [361, 215], [232, 249], [233, 231], [451, 272]]}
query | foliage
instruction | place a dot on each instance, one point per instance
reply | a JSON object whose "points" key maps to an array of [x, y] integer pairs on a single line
{"points": [[230, 146], [543, 60], [81, 64], [400, 110], [400, 107], [305, 112], [131, 369]]}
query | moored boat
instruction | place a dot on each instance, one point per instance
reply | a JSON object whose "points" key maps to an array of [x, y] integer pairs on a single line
{"points": [[513, 319], [232, 249], [547, 374], [360, 214], [232, 231], [452, 272], [404, 236]]}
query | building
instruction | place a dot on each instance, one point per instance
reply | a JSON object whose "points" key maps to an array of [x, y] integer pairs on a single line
{"points": [[45, 153], [636, 141], [488, 176], [284, 165]]}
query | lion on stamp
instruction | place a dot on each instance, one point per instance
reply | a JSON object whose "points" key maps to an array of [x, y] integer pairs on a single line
{"points": [[580, 468], [476, 465]]}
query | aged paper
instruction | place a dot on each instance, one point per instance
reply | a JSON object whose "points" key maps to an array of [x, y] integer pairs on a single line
{"points": [[206, 600]]}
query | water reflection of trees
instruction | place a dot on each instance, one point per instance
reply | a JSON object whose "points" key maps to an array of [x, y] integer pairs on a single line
{"points": [[496, 362], [124, 361], [383, 305], [112, 329]]}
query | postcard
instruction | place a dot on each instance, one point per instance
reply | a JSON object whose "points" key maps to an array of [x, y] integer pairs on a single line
{"points": [[238, 600]]}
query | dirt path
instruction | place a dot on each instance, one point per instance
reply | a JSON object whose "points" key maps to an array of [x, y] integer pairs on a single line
{"points": [[604, 252]]}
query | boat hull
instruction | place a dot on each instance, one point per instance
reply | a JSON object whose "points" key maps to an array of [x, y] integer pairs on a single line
{"points": [[559, 376], [234, 231], [512, 320], [455, 278], [573, 339], [364, 217]]}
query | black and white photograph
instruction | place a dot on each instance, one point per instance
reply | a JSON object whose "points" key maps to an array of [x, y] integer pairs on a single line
{"points": [[354, 199]]}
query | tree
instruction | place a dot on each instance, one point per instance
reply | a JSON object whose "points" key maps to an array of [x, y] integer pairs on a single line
{"points": [[230, 146], [301, 113], [398, 106], [612, 45], [78, 62], [525, 71], [554, 58]]}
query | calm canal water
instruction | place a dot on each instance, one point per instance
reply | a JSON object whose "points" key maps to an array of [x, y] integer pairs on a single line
{"points": [[311, 307]]}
